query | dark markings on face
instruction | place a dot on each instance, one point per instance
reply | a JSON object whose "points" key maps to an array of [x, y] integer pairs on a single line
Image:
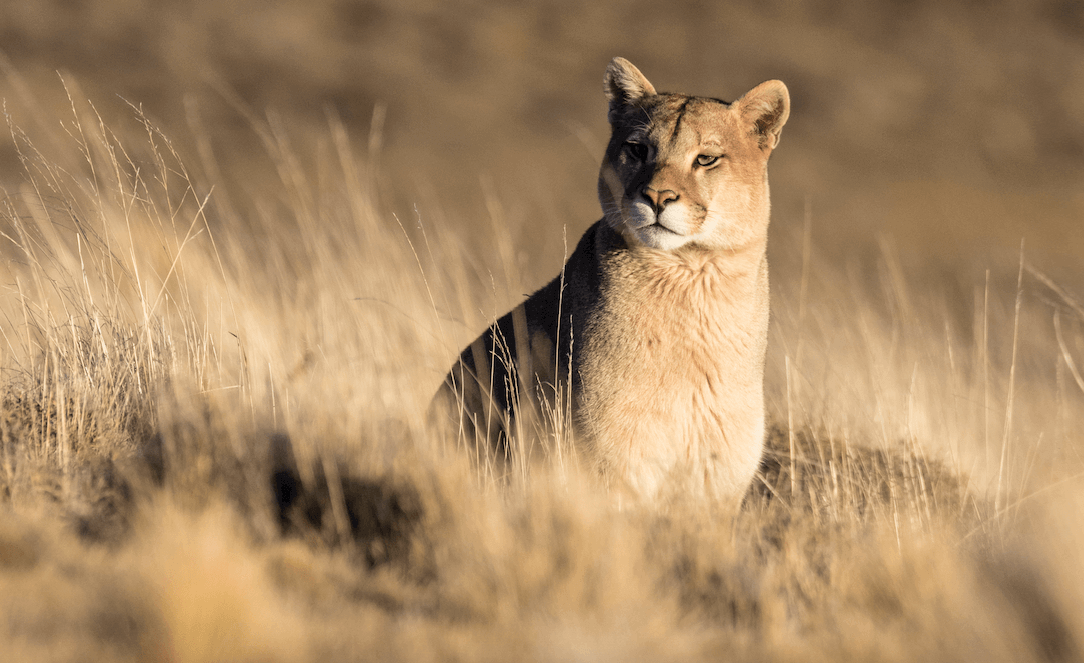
{"points": [[680, 114], [639, 119]]}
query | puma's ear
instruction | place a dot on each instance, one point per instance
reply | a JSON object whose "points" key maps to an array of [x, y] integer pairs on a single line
{"points": [[767, 107], [625, 85]]}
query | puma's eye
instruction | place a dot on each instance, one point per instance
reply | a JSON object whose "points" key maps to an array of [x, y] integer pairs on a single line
{"points": [[705, 160], [637, 151]]}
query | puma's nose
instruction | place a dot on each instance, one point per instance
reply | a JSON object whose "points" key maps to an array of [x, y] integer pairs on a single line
{"points": [[659, 199]]}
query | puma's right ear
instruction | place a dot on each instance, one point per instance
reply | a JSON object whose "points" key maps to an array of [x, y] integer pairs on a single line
{"points": [[625, 85], [766, 107]]}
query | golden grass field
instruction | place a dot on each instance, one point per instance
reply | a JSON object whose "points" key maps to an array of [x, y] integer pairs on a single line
{"points": [[218, 338]]}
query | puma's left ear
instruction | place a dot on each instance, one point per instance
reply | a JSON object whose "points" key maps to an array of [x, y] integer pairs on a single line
{"points": [[767, 107]]}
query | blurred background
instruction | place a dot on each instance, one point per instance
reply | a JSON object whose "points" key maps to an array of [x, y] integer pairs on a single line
{"points": [[946, 129]]}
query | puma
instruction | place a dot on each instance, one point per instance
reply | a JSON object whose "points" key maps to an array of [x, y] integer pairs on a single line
{"points": [[657, 326]]}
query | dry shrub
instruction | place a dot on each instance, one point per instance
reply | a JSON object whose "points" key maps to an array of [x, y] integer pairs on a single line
{"points": [[212, 448]]}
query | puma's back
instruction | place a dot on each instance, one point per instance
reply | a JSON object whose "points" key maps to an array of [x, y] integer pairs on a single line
{"points": [[657, 325]]}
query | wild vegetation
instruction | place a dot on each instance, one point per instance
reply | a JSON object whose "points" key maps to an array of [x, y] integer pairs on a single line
{"points": [[213, 446], [241, 245]]}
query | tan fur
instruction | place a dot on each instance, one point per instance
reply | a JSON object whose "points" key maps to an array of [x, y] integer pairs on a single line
{"points": [[660, 318], [675, 392]]}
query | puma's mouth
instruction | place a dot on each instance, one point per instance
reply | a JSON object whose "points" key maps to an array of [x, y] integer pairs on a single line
{"points": [[660, 226], [648, 221], [660, 229], [654, 230]]}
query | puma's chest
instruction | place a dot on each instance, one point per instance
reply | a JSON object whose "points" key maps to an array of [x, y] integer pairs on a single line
{"points": [[674, 326], [672, 373]]}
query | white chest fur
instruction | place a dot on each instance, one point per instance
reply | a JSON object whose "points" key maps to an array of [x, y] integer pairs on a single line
{"points": [[672, 372]]}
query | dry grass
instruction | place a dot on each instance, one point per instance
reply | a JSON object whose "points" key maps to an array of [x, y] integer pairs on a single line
{"points": [[212, 447]]}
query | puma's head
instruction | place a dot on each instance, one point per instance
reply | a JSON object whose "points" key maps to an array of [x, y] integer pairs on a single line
{"points": [[688, 171]]}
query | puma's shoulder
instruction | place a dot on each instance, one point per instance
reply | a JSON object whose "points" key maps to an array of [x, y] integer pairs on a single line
{"points": [[528, 350]]}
